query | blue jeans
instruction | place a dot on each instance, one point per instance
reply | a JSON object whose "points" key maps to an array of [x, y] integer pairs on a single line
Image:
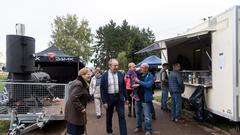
{"points": [[164, 98], [114, 101], [176, 108], [146, 109]]}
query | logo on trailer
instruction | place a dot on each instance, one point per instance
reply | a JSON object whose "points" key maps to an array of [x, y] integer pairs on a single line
{"points": [[51, 56], [64, 59]]}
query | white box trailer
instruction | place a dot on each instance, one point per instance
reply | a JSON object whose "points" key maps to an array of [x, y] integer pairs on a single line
{"points": [[211, 52]]}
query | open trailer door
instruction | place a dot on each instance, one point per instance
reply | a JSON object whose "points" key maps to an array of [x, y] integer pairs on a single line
{"points": [[195, 46]]}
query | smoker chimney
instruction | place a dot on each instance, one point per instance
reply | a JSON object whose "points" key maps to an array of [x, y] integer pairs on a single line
{"points": [[20, 29]]}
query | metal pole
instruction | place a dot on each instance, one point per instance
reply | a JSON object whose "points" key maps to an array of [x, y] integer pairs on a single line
{"points": [[209, 56]]}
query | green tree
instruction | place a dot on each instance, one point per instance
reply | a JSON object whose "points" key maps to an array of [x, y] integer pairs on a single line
{"points": [[72, 37], [113, 39], [139, 40], [123, 62], [107, 38]]}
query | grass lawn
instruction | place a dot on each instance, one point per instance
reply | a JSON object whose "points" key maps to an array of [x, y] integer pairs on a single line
{"points": [[4, 126], [157, 98]]}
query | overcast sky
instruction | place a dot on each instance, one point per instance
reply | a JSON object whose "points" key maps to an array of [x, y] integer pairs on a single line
{"points": [[165, 18]]}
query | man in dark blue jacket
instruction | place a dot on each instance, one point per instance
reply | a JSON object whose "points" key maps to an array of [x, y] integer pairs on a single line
{"points": [[113, 94], [176, 88], [144, 105], [164, 86]]}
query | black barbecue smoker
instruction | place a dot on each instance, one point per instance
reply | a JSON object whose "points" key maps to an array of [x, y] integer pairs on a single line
{"points": [[20, 51], [33, 99]]}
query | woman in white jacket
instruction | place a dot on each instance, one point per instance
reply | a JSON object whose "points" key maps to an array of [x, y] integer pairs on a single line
{"points": [[94, 90]]}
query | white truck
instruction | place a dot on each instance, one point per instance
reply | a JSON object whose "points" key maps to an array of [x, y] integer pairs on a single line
{"points": [[210, 57]]}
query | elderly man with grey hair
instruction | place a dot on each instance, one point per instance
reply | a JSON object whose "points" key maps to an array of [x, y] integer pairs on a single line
{"points": [[113, 94], [144, 105]]}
